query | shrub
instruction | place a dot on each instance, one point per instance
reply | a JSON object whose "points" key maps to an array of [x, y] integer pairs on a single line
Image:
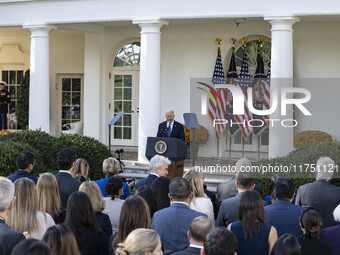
{"points": [[201, 135], [308, 137]]}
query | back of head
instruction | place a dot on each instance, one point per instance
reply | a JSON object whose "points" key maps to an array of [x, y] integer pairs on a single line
{"points": [[113, 186], [220, 241], [139, 242], [93, 191], [110, 166], [310, 221], [61, 240], [145, 192], [195, 179], [245, 180], [325, 168], [65, 158], [286, 244], [242, 164], [6, 193], [24, 159], [31, 246], [179, 189], [336, 214], [199, 228], [284, 189], [156, 162], [160, 189], [81, 167]]}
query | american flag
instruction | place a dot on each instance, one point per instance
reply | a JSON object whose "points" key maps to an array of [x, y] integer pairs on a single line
{"points": [[219, 113], [266, 100], [244, 83]]}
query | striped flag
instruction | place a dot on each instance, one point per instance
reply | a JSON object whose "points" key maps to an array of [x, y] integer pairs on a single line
{"points": [[244, 83], [266, 100]]}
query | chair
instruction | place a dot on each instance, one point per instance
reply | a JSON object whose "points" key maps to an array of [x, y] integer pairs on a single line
{"points": [[74, 128]]}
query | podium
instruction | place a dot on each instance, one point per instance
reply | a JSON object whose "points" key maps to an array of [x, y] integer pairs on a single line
{"points": [[172, 148]]}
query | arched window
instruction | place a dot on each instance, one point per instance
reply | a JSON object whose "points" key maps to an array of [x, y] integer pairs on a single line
{"points": [[128, 55]]}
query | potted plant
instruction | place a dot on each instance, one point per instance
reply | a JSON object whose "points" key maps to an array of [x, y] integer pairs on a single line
{"points": [[201, 136]]}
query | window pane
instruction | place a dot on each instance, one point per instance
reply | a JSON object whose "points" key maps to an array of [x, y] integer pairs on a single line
{"points": [[237, 138], [118, 94], [65, 125], [66, 84], [66, 98], [75, 98], [118, 133], [118, 106], [127, 120], [127, 80], [12, 92], [5, 76], [118, 80], [75, 112], [12, 106], [76, 84], [265, 138], [127, 94], [119, 121], [127, 107], [20, 76], [127, 133], [66, 112], [12, 77]]}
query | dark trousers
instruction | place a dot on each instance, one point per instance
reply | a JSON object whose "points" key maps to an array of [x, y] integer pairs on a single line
{"points": [[3, 121]]}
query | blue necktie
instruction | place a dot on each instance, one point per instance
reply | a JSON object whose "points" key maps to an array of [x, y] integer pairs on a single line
{"points": [[169, 130]]}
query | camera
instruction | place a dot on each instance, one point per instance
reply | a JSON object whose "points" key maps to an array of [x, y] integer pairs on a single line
{"points": [[119, 151]]}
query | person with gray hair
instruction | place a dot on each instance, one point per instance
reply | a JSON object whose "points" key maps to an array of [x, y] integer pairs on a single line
{"points": [[170, 127], [228, 189], [158, 166], [332, 234], [9, 237], [320, 195]]}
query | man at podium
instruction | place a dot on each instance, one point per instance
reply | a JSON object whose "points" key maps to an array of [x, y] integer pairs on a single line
{"points": [[170, 127]]}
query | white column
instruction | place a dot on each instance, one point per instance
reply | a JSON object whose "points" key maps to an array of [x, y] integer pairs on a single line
{"points": [[39, 98], [149, 83], [280, 137]]}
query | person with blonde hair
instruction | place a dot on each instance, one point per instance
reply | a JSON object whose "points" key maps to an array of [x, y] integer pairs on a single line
{"points": [[81, 170], [48, 197], [111, 169], [98, 204], [61, 240], [25, 216], [141, 241], [200, 202]]}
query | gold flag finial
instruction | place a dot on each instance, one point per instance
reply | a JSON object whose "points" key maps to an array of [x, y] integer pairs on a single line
{"points": [[245, 40], [218, 40], [261, 41], [233, 40]]}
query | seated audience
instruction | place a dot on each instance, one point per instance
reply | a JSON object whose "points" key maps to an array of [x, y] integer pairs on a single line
{"points": [[25, 162], [31, 246], [82, 222], [310, 243], [158, 166], [61, 240], [321, 195], [220, 241], [98, 205], [173, 223], [282, 214], [146, 193], [253, 234], [81, 170], [160, 189], [228, 212], [66, 183], [200, 202], [113, 207], [332, 234], [111, 169], [49, 198], [199, 228], [287, 244], [141, 242], [9, 237], [25, 216]]}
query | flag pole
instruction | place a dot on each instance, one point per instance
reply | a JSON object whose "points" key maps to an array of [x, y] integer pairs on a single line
{"points": [[230, 146], [242, 147], [258, 146], [218, 41]]}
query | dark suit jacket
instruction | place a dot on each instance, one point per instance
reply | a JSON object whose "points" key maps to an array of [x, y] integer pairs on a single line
{"points": [[67, 185], [177, 130], [8, 238], [146, 181], [91, 242], [332, 235], [188, 251], [310, 246], [321, 196], [172, 224], [228, 212], [284, 216], [21, 174], [105, 224]]}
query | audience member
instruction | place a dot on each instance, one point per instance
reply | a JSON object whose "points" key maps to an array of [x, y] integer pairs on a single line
{"points": [[98, 204], [282, 214], [25, 216], [25, 162], [135, 214], [49, 198], [310, 243], [141, 241], [199, 228], [111, 169], [228, 189], [146, 193], [82, 222], [160, 189], [200, 202], [287, 244], [332, 234], [66, 183], [8, 236], [172, 223], [228, 212], [81, 170], [61, 240], [253, 234], [321, 195], [113, 207], [158, 166], [31, 246], [220, 241], [270, 199]]}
